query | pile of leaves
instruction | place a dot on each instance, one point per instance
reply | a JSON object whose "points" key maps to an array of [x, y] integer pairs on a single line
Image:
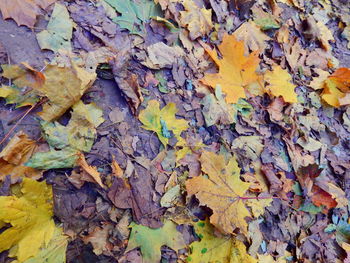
{"points": [[178, 131]]}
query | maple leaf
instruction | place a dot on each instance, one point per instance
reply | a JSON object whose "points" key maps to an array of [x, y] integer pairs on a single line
{"points": [[151, 240], [24, 12], [236, 71], [55, 252], [196, 19], [279, 84], [336, 86], [222, 192], [162, 121], [15, 154], [30, 217], [59, 30], [212, 248]]}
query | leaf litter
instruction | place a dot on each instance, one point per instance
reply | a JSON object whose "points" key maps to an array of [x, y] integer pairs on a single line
{"points": [[176, 131]]}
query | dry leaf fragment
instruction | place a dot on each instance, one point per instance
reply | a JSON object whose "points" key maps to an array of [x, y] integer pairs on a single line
{"points": [[24, 12], [279, 84], [236, 71], [162, 56], [91, 170]]}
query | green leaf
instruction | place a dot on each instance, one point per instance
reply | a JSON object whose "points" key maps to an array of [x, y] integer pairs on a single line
{"points": [[151, 240], [134, 13], [67, 141], [59, 30], [54, 159]]}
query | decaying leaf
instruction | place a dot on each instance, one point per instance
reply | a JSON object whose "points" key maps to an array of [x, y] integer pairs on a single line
{"points": [[15, 154], [58, 32], [236, 71], [223, 191], [162, 121], [24, 12], [30, 217], [151, 240]]}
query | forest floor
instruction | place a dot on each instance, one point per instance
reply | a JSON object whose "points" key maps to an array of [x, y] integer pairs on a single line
{"points": [[174, 131]]}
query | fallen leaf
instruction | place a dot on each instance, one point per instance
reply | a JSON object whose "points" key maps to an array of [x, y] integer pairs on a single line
{"points": [[222, 192], [15, 154], [279, 84], [216, 248], [162, 121], [196, 19], [336, 86], [91, 170], [151, 240], [99, 239], [236, 71], [133, 15], [67, 141], [254, 39], [73, 82], [58, 33], [24, 12], [30, 217], [55, 251], [162, 56]]}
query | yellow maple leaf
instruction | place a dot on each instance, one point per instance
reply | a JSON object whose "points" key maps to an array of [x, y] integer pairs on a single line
{"points": [[15, 154], [213, 248], [197, 20], [30, 217], [279, 84], [162, 121], [222, 192], [236, 71]]}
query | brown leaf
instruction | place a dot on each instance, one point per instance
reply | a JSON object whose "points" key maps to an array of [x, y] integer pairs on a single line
{"points": [[137, 194], [24, 12], [91, 170]]}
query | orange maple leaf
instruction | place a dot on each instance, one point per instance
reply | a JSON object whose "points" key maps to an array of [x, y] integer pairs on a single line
{"points": [[236, 71]]}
